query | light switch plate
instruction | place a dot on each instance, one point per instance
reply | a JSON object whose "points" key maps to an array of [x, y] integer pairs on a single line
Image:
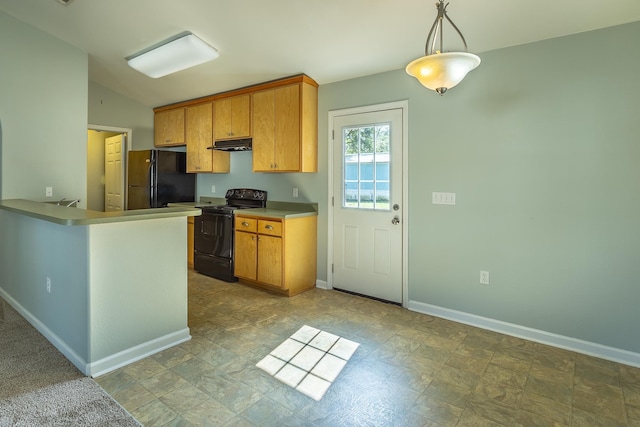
{"points": [[439, 198]]}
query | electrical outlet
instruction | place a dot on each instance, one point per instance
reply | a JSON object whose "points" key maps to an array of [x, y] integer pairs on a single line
{"points": [[48, 192], [484, 277], [213, 188], [295, 191], [48, 284]]}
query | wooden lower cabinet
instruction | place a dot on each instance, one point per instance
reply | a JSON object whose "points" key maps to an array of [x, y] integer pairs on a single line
{"points": [[270, 260], [190, 248], [246, 255], [276, 254]]}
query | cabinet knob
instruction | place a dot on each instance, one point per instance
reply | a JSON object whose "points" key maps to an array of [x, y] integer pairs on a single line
{"points": [[269, 227], [245, 224]]}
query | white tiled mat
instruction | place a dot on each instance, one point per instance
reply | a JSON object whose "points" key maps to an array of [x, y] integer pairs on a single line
{"points": [[309, 361]]}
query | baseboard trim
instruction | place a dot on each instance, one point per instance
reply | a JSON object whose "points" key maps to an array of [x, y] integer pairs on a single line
{"points": [[138, 352], [322, 284], [573, 344], [109, 363], [51, 336]]}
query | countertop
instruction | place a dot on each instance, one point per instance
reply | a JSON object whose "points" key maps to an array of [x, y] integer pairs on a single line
{"points": [[276, 213], [281, 210], [76, 216]]}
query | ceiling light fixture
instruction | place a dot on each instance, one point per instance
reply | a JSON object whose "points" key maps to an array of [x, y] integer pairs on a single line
{"points": [[438, 70], [182, 51]]}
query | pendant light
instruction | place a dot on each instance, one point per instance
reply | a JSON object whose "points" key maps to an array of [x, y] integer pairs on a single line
{"points": [[438, 70]]}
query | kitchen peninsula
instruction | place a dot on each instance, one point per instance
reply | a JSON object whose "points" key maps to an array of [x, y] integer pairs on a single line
{"points": [[106, 288]]}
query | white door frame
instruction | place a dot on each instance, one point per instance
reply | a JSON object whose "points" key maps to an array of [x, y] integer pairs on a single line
{"points": [[404, 105], [128, 142]]}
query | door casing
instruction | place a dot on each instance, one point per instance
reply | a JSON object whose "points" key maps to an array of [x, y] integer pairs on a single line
{"points": [[404, 106], [128, 133]]}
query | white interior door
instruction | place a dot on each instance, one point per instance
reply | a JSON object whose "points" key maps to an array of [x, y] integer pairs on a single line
{"points": [[368, 203], [113, 173]]}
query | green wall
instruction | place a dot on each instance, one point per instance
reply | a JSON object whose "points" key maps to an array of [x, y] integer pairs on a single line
{"points": [[108, 108], [540, 144], [43, 114]]}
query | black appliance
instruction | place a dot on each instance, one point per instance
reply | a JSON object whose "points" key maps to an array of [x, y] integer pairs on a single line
{"points": [[156, 178], [214, 233]]}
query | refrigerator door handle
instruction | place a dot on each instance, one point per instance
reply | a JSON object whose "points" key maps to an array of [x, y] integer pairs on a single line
{"points": [[152, 171]]}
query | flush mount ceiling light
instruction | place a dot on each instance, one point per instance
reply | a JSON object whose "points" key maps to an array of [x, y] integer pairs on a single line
{"points": [[438, 70], [178, 53]]}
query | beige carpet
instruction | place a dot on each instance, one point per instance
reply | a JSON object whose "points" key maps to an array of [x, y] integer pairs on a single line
{"points": [[40, 387]]}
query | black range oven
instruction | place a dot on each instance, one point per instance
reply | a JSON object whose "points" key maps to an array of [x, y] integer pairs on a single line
{"points": [[214, 232]]}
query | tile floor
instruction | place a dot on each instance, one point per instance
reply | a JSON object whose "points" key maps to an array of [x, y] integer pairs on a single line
{"points": [[409, 370]]}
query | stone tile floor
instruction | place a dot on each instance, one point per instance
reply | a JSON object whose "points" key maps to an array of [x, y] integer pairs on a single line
{"points": [[409, 370]]}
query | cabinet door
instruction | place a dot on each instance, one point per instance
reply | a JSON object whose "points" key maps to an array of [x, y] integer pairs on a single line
{"points": [[233, 117], [276, 130], [199, 131], [245, 255], [263, 130], [287, 129], [270, 260], [199, 137], [169, 128]]}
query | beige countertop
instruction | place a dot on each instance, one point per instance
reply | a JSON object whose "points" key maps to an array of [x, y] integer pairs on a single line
{"points": [[76, 216], [273, 209], [276, 213]]}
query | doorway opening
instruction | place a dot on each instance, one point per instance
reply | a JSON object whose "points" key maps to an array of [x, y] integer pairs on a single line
{"points": [[98, 175]]}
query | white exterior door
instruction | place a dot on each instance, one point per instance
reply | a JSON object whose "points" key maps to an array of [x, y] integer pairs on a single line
{"points": [[368, 203], [113, 173]]}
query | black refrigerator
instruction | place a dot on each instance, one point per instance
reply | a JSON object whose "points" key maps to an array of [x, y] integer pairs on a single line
{"points": [[157, 177]]}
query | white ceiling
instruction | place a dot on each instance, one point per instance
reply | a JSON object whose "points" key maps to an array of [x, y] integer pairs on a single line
{"points": [[261, 40]]}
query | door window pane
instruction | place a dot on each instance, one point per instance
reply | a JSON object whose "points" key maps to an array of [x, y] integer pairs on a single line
{"points": [[366, 167]]}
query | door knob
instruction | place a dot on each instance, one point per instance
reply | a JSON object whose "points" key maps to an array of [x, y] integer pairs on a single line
{"points": [[395, 220]]}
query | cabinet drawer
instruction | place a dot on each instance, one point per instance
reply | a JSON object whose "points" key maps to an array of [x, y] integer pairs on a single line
{"points": [[246, 224], [272, 228]]}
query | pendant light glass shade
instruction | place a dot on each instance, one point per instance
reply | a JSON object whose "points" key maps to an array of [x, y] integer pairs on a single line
{"points": [[442, 71], [439, 70]]}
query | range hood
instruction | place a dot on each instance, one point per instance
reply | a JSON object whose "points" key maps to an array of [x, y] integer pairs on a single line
{"points": [[232, 145]]}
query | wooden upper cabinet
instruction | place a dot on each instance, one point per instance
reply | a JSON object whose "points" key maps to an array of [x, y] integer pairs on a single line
{"points": [[199, 137], [285, 129], [232, 117], [281, 117], [169, 128]]}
